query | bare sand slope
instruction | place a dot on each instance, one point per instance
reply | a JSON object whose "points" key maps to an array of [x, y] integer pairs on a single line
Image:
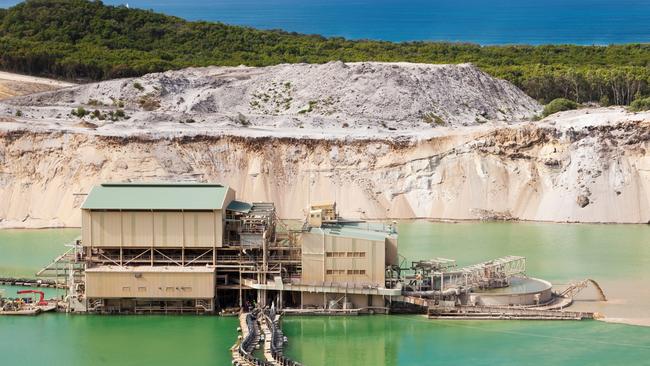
{"points": [[357, 96], [12, 85]]}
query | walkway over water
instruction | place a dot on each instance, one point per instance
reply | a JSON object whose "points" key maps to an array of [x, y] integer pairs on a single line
{"points": [[550, 311], [253, 325]]}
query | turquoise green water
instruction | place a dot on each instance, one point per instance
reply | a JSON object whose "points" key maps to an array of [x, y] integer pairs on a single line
{"points": [[68, 340], [24, 252], [618, 256], [555, 252], [413, 340], [50, 293]]}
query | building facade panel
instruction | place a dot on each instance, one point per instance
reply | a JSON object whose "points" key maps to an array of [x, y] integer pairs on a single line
{"points": [[168, 229], [138, 228], [218, 226], [334, 258], [104, 229], [392, 257], [200, 229], [146, 283], [85, 227], [143, 229], [313, 257]]}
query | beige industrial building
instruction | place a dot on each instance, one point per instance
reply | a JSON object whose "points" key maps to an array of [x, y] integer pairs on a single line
{"points": [[194, 248], [155, 216], [348, 263]]}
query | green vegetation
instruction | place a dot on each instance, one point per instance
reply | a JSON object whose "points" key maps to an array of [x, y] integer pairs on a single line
{"points": [[77, 39], [431, 117], [94, 102], [119, 103], [80, 112], [115, 115], [559, 105], [640, 104], [604, 101], [310, 107], [149, 103]]}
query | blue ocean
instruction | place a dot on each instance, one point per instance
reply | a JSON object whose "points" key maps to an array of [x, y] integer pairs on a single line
{"points": [[485, 22]]}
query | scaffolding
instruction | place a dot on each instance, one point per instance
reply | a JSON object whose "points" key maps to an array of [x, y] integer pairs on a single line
{"points": [[490, 274], [442, 276]]}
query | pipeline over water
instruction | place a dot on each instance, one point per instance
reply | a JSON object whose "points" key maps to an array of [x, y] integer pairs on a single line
{"points": [[252, 325], [30, 282]]}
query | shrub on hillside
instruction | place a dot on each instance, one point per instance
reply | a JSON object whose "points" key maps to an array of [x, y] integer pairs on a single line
{"points": [[559, 105], [640, 104]]}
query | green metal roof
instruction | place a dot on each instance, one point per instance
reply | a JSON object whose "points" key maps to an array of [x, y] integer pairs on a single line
{"points": [[239, 206], [156, 196], [357, 233]]}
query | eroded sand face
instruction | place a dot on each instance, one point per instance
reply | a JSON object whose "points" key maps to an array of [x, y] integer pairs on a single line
{"points": [[529, 171]]}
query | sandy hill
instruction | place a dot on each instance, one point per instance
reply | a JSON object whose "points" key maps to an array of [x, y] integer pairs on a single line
{"points": [[383, 96]]}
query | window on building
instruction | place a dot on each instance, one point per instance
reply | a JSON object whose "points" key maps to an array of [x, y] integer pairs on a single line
{"points": [[169, 289], [335, 271], [186, 288], [142, 289], [126, 289], [335, 254], [356, 254], [356, 271]]}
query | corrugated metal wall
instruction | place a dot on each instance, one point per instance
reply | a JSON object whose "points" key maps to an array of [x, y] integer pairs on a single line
{"points": [[344, 263], [191, 229], [168, 229], [313, 257], [153, 285], [392, 256]]}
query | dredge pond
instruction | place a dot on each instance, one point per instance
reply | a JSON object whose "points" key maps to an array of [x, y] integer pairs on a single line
{"points": [[617, 256]]}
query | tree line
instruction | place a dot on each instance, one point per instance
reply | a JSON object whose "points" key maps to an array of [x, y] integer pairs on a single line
{"points": [[87, 40]]}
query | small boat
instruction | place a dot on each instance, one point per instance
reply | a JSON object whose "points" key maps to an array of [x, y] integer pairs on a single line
{"points": [[27, 311], [25, 306]]}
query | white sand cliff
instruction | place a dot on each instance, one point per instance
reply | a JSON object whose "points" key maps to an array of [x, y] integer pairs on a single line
{"points": [[384, 140]]}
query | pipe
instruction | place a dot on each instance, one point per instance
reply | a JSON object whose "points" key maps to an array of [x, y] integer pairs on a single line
{"points": [[449, 292]]}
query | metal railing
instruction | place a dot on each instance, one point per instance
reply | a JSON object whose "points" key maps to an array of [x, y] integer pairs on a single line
{"points": [[277, 340]]}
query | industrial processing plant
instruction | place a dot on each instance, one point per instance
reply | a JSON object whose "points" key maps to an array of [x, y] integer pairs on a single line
{"points": [[194, 248]]}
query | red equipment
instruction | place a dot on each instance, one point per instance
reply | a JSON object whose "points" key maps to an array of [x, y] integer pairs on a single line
{"points": [[41, 300]]}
